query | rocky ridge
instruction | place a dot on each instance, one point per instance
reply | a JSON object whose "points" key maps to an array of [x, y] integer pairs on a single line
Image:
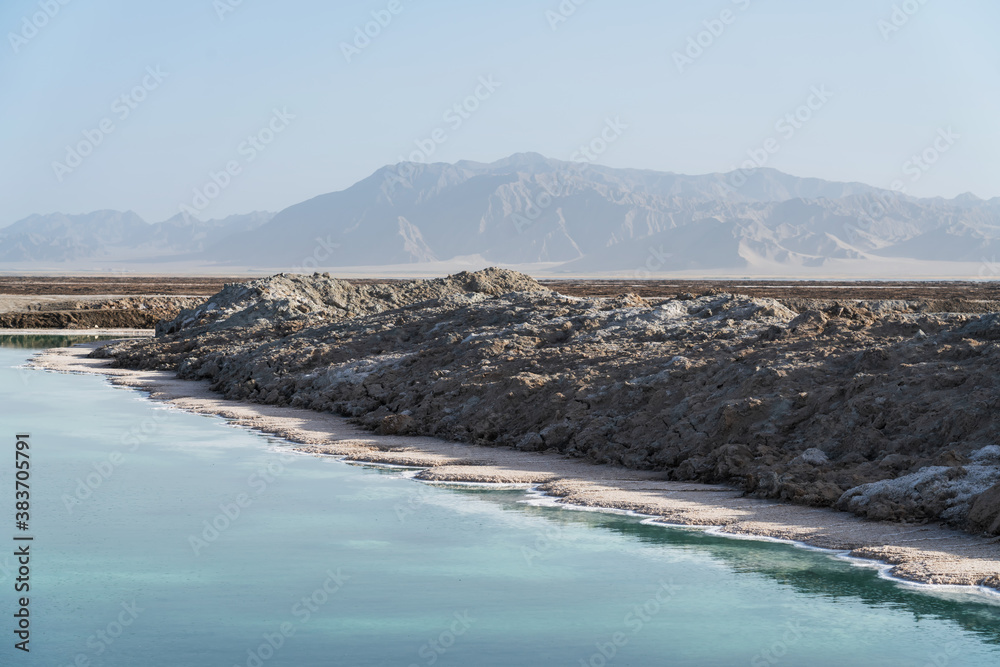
{"points": [[880, 408]]}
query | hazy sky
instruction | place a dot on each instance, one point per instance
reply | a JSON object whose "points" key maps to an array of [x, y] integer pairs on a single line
{"points": [[200, 77]]}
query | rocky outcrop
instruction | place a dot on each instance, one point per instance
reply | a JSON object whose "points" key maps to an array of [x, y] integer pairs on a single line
{"points": [[934, 492], [876, 408]]}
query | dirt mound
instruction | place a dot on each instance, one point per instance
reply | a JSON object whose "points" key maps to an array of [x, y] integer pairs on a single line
{"points": [[289, 298], [869, 406]]}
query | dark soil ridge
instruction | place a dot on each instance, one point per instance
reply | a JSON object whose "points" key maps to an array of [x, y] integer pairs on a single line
{"points": [[130, 312], [92, 319]]}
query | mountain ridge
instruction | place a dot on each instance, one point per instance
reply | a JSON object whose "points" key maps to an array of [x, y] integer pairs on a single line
{"points": [[529, 209]]}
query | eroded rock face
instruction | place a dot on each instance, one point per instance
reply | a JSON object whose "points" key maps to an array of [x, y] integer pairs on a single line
{"points": [[984, 516], [881, 410]]}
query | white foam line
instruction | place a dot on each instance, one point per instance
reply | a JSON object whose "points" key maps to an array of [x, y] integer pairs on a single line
{"points": [[292, 451], [885, 572], [541, 502], [992, 594], [539, 498], [862, 562], [653, 521], [388, 466], [825, 550], [719, 532], [484, 485]]}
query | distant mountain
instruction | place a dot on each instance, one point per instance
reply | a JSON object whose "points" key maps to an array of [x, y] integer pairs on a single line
{"points": [[186, 236], [61, 238], [528, 209], [115, 236], [592, 219]]}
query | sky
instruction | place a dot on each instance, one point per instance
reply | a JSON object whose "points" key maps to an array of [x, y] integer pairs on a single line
{"points": [[231, 106]]}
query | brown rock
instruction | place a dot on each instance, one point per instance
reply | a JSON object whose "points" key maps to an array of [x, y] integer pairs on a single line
{"points": [[984, 517], [811, 322]]}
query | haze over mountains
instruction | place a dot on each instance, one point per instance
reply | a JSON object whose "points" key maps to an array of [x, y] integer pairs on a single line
{"points": [[560, 217], [116, 237]]}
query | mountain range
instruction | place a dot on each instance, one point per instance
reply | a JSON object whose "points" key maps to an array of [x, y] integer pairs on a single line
{"points": [[531, 210]]}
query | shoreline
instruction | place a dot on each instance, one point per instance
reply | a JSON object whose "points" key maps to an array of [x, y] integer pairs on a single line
{"points": [[69, 333], [926, 554]]}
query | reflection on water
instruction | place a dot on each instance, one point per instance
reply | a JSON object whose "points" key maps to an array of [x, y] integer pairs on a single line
{"points": [[43, 341], [809, 572]]}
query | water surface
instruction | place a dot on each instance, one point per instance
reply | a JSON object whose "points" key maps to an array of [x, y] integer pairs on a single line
{"points": [[338, 564]]}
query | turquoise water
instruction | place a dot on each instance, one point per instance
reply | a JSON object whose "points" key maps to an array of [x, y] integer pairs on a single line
{"points": [[337, 564]]}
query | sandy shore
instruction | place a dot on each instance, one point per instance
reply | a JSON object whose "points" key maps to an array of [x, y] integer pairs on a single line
{"points": [[920, 553]]}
